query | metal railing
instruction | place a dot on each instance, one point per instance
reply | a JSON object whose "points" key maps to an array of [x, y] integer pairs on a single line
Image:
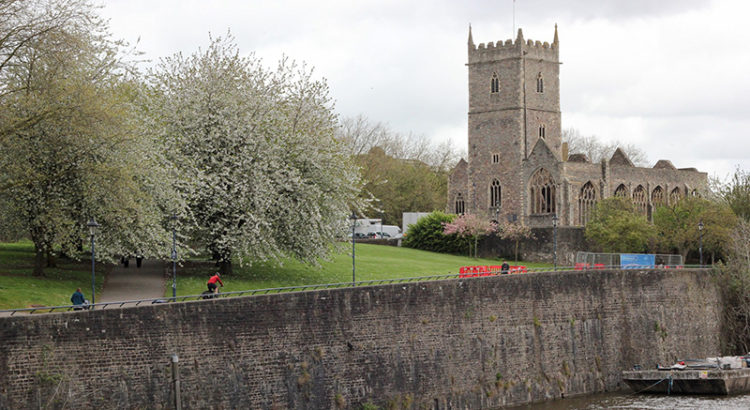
{"points": [[300, 288]]}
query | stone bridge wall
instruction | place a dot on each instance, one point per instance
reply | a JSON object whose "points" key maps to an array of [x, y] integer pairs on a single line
{"points": [[471, 343]]}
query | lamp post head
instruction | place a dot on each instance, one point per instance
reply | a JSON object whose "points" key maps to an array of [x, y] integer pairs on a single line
{"points": [[554, 221], [92, 226], [353, 217], [700, 225]]}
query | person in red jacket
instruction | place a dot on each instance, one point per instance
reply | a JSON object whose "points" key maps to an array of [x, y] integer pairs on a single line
{"points": [[212, 283]]}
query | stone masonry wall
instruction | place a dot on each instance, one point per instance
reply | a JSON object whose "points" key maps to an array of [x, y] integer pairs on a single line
{"points": [[472, 343]]}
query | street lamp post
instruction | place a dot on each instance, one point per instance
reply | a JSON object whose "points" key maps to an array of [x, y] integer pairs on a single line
{"points": [[554, 240], [353, 218], [700, 244], [382, 215], [92, 230], [174, 256]]}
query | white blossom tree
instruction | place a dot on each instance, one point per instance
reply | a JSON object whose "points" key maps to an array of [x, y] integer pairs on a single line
{"points": [[262, 172]]}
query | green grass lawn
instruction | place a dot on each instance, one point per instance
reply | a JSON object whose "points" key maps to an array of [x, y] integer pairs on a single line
{"points": [[373, 262], [19, 289]]}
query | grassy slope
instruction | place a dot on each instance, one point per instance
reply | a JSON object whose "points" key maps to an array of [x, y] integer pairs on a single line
{"points": [[18, 289], [373, 262]]}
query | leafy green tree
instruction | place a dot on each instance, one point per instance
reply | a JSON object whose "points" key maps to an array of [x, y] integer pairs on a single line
{"points": [[737, 194], [616, 227], [427, 234], [79, 153], [677, 225], [262, 173], [400, 173]]}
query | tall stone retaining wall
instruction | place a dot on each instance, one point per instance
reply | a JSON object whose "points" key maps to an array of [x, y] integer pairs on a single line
{"points": [[470, 343]]}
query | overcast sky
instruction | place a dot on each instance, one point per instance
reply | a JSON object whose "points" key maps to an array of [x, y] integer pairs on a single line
{"points": [[670, 76]]}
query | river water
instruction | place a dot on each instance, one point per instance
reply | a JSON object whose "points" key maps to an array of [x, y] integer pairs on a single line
{"points": [[645, 401]]}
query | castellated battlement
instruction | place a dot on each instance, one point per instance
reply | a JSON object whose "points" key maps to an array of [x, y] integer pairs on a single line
{"points": [[493, 51]]}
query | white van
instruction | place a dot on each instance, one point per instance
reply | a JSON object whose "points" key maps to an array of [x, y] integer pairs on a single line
{"points": [[388, 232]]}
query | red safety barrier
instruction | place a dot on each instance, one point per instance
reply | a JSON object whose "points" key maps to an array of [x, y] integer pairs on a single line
{"points": [[474, 271], [582, 266], [599, 266]]}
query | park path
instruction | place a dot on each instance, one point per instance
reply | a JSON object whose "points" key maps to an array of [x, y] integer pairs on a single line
{"points": [[132, 283]]}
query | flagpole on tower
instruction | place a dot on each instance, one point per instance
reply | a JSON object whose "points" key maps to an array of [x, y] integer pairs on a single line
{"points": [[514, 19]]}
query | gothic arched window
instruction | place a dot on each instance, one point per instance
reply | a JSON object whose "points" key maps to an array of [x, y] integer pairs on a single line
{"points": [[542, 131], [675, 196], [539, 83], [657, 197], [640, 199], [460, 207], [542, 192], [586, 203], [622, 191], [494, 84], [495, 194]]}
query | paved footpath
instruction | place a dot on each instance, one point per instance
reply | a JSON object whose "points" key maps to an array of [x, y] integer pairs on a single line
{"points": [[132, 283]]}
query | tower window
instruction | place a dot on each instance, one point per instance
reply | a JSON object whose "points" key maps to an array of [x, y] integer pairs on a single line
{"points": [[495, 158], [539, 83], [542, 131], [495, 193], [494, 84]]}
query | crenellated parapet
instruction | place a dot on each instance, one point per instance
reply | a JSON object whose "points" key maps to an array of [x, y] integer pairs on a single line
{"points": [[494, 51]]}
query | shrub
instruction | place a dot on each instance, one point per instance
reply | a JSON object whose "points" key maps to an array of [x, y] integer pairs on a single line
{"points": [[427, 234]]}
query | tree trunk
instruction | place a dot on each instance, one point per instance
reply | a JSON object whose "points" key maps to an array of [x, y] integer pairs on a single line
{"points": [[516, 251], [225, 267], [39, 262], [51, 261]]}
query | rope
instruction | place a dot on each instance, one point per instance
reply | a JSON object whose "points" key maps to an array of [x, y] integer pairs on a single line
{"points": [[648, 387]]}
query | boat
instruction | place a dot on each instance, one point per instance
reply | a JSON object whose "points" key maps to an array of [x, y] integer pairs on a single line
{"points": [[718, 375]]}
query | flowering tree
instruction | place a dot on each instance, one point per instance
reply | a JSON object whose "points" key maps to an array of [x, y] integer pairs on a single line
{"points": [[255, 148], [515, 232], [471, 227], [70, 145]]}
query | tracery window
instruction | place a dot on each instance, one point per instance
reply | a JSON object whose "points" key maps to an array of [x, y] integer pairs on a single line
{"points": [[657, 197], [675, 196], [621, 191], [640, 199], [495, 194], [495, 158], [586, 203], [460, 207], [542, 192], [539, 83], [494, 84]]}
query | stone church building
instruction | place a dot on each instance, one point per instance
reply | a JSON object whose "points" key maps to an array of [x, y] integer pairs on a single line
{"points": [[518, 168]]}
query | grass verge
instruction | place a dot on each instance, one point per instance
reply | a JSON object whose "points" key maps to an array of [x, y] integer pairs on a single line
{"points": [[19, 289], [372, 262]]}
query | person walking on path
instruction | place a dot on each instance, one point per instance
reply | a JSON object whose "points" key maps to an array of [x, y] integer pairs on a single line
{"points": [[212, 283], [504, 268], [78, 299]]}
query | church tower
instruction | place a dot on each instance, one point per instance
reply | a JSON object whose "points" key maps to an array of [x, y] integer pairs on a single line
{"points": [[514, 101]]}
